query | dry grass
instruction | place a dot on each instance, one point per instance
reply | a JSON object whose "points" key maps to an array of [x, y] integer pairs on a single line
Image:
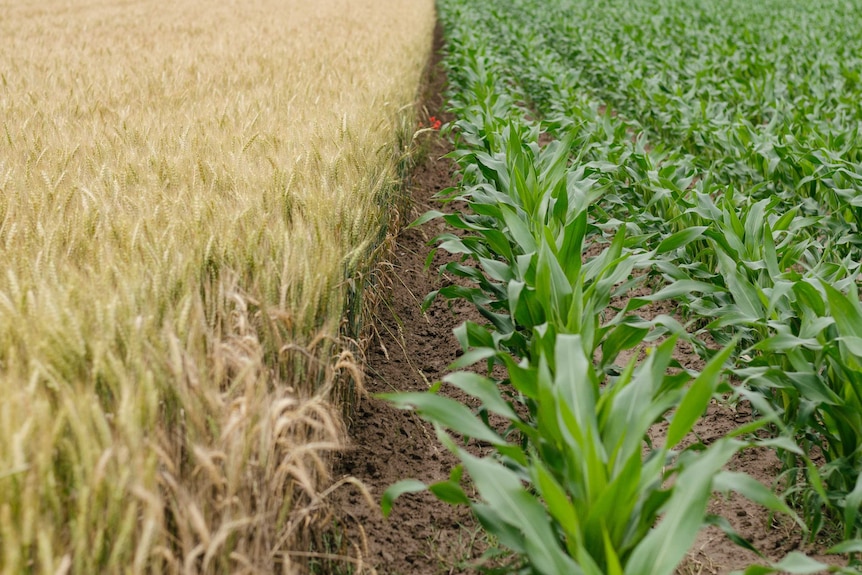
{"points": [[188, 191]]}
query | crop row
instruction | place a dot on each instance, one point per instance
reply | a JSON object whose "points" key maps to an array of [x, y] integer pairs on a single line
{"points": [[712, 168]]}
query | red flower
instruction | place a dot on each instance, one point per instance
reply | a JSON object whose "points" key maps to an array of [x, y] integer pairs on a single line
{"points": [[433, 123]]}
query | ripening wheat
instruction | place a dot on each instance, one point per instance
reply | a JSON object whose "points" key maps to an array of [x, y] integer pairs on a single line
{"points": [[187, 190]]}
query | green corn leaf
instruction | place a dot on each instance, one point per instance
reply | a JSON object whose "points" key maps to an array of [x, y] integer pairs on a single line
{"points": [[449, 492], [518, 309], [722, 242], [524, 305], [470, 334], [485, 390], [523, 379], [664, 547], [558, 503], [848, 546], [494, 169], [731, 533], [620, 338], [612, 561], [810, 296], [574, 376], [428, 300], [472, 357], [496, 270], [635, 401], [499, 244], [453, 245], [526, 266], [851, 508], [502, 490], [853, 344], [785, 220], [398, 489], [752, 489], [603, 166], [458, 221], [783, 443], [786, 341], [447, 412], [425, 218], [571, 246], [519, 231], [574, 318], [815, 479], [734, 233], [552, 287], [671, 291], [508, 535], [744, 293], [695, 401], [615, 505], [795, 563], [467, 272], [845, 310], [524, 189], [679, 239], [754, 570], [769, 252], [754, 226], [798, 563], [473, 295], [813, 387]]}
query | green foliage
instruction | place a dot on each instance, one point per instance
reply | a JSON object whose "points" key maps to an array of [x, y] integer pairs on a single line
{"points": [[568, 486], [700, 152]]}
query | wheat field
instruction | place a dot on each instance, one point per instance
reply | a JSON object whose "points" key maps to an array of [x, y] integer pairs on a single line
{"points": [[191, 195]]}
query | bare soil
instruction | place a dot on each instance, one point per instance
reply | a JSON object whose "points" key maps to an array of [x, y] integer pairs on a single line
{"points": [[411, 351]]}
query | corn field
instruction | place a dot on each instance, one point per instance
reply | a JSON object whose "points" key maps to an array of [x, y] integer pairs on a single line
{"points": [[618, 154]]}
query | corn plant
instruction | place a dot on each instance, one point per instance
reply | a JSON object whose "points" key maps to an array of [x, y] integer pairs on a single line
{"points": [[569, 488]]}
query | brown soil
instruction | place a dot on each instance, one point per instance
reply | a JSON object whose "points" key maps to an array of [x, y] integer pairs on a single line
{"points": [[412, 350], [422, 536]]}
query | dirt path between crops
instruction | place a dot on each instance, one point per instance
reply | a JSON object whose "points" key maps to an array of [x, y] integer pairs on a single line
{"points": [[413, 350]]}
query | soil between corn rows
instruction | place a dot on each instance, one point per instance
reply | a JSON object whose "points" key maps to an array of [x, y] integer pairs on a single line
{"points": [[423, 536]]}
